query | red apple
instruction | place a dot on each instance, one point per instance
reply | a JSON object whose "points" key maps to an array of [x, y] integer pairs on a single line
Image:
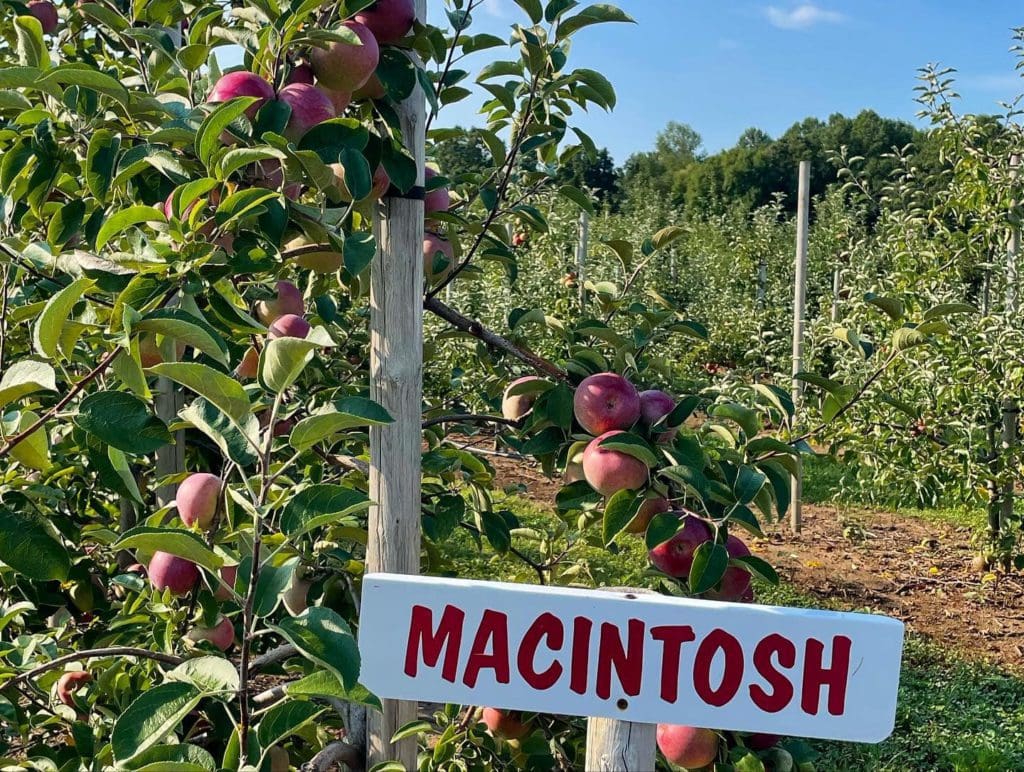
{"points": [[605, 402], [610, 471], [432, 244], [289, 326], [168, 571], [69, 683], [149, 351], [241, 83], [736, 582], [197, 499], [675, 556], [340, 99], [759, 741], [249, 367], [373, 89], [301, 73], [289, 301], [344, 66], [506, 723], [229, 574], [655, 405], [388, 20], [310, 106], [515, 406], [648, 509], [221, 635], [46, 13], [687, 746], [436, 200]]}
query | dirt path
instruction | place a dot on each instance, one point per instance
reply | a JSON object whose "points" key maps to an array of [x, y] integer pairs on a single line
{"points": [[905, 567]]}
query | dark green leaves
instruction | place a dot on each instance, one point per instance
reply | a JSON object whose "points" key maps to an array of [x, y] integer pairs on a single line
{"points": [[26, 377], [122, 420], [593, 14], [320, 505], [153, 716], [176, 541], [325, 638], [27, 546], [710, 560], [208, 138], [618, 513]]}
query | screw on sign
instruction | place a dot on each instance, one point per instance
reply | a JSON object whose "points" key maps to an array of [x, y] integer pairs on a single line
{"points": [[639, 658]]}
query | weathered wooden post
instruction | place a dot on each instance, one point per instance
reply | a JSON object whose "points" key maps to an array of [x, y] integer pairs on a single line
{"points": [[581, 256], [836, 289], [799, 292], [1010, 408], [396, 382]]}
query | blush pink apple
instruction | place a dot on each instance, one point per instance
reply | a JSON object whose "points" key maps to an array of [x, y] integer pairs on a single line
{"points": [[249, 367], [515, 406], [221, 635], [339, 99], [71, 682], [436, 200], [288, 301], [675, 556], [610, 471], [655, 405], [289, 326], [606, 402], [197, 499], [301, 73], [241, 83], [229, 574], [345, 66], [388, 20], [687, 746], [373, 89], [648, 509], [505, 723], [170, 572], [310, 106], [432, 244]]}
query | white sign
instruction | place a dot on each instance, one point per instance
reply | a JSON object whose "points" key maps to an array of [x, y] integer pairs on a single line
{"points": [[644, 658]]}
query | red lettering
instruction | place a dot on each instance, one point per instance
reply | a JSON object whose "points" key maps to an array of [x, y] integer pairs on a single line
{"points": [[628, 664], [548, 626], [580, 661], [834, 677], [447, 637], [492, 634], [732, 674], [673, 637], [782, 690]]}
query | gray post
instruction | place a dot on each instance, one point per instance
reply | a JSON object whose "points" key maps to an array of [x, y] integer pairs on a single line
{"points": [[799, 292]]}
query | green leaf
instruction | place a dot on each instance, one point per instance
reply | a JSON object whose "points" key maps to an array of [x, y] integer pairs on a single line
{"points": [[229, 436], [414, 728], [122, 420], [191, 330], [100, 161], [891, 306], [208, 137], [325, 638], [174, 758], [908, 337], [31, 47], [748, 483], [283, 720], [759, 567], [153, 716], [618, 513], [34, 450], [320, 505], [210, 675], [246, 202], [218, 389], [176, 541], [578, 197], [747, 419], [119, 463], [948, 309], [84, 76], [633, 446], [710, 560], [27, 546], [273, 580], [535, 12], [323, 683], [594, 14], [48, 327], [666, 236], [124, 219], [352, 412], [25, 377], [282, 361], [662, 527]]}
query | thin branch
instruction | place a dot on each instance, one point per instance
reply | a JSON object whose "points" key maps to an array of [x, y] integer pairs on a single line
{"points": [[338, 752], [469, 418], [113, 651], [477, 330], [72, 393], [275, 656]]}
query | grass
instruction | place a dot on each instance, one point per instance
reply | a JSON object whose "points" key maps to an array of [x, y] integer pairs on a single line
{"points": [[953, 715]]}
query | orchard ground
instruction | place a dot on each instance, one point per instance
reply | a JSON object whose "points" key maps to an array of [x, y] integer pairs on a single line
{"points": [[961, 702]]}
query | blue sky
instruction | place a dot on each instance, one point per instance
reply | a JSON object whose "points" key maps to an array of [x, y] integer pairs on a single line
{"points": [[724, 66]]}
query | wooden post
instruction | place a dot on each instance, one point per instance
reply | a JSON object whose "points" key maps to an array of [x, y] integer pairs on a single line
{"points": [[1010, 408], [581, 256], [396, 382], [799, 291], [620, 746], [836, 287]]}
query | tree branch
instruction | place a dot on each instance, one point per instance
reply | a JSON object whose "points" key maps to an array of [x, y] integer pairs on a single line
{"points": [[477, 330], [338, 752], [113, 651], [469, 418]]}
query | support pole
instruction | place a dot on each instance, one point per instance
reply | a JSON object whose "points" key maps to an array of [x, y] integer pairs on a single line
{"points": [[799, 292], [836, 288], [620, 746], [581, 256], [1010, 408], [396, 382]]}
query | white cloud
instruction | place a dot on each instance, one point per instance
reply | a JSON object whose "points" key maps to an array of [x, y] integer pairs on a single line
{"points": [[802, 16]]}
